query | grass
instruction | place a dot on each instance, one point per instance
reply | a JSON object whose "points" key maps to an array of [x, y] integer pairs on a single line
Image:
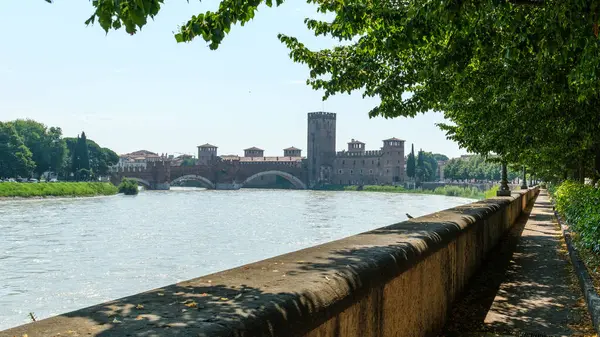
{"points": [[454, 191], [66, 189]]}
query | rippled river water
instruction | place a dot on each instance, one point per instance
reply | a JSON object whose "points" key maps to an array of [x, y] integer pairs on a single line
{"points": [[58, 255]]}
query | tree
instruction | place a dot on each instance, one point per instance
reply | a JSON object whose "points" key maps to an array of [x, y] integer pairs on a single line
{"points": [[15, 157], [128, 186], [410, 163], [189, 162], [492, 67], [83, 153], [476, 167], [100, 158], [421, 172], [47, 147]]}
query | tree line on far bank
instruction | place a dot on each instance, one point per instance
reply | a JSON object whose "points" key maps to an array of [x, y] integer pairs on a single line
{"points": [[29, 149], [423, 167], [476, 167]]}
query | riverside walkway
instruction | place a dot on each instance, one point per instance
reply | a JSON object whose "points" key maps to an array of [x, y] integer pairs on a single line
{"points": [[527, 287]]}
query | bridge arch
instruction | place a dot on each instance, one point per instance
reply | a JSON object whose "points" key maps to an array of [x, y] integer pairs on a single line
{"points": [[207, 182], [142, 182], [289, 177]]}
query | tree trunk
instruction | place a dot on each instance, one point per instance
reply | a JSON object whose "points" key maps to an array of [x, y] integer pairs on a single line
{"points": [[581, 171], [596, 175]]}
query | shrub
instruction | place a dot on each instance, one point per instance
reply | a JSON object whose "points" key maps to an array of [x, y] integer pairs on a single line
{"points": [[491, 192], [457, 191], [580, 206], [128, 186]]}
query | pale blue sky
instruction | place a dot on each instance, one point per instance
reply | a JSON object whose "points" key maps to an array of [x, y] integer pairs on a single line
{"points": [[148, 92]]}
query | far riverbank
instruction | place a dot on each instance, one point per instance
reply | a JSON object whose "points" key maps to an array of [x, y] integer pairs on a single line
{"points": [[451, 191], [10, 191]]}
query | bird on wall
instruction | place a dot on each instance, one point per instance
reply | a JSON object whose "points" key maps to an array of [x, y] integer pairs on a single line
{"points": [[409, 216]]}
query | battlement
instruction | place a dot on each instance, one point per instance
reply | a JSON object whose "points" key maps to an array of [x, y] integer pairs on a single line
{"points": [[321, 115], [370, 153]]}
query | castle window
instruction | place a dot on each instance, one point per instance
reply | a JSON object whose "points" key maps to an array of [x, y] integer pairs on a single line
{"points": [[372, 162], [343, 162], [340, 171], [354, 162], [387, 171], [363, 161], [370, 171], [361, 171], [351, 171]]}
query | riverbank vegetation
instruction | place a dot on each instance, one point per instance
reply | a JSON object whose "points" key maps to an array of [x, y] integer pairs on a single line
{"points": [[453, 191], [476, 167], [59, 189], [31, 149], [128, 186], [423, 166], [579, 206]]}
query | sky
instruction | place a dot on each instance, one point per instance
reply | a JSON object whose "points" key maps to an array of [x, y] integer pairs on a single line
{"points": [[148, 92]]}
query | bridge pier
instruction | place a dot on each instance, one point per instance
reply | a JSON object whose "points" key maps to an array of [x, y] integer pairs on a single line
{"points": [[161, 186], [227, 186]]}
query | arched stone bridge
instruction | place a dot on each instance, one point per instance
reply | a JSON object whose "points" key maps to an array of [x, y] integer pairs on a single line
{"points": [[220, 175]]}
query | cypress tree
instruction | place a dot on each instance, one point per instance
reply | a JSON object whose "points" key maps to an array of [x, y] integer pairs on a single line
{"points": [[75, 159], [420, 171], [84, 155], [410, 163]]}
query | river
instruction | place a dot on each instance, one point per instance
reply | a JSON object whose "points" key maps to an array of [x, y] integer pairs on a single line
{"points": [[59, 255]]}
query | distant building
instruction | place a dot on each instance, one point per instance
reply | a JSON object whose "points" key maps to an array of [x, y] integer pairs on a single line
{"points": [[354, 166], [137, 160], [292, 152], [441, 164], [322, 166], [254, 152], [207, 154], [177, 161]]}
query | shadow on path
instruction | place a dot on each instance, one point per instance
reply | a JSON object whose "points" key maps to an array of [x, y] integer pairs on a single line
{"points": [[526, 287]]}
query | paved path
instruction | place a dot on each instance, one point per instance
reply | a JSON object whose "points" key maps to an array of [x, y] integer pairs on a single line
{"points": [[527, 288]]}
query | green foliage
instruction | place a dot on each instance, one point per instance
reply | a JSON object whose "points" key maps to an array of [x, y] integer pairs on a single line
{"points": [[32, 148], [80, 158], [428, 172], [411, 163], [128, 186], [580, 205], [421, 171], [15, 158], [491, 193], [517, 79], [455, 191], [189, 162], [100, 158], [59, 189], [475, 167], [47, 147]]}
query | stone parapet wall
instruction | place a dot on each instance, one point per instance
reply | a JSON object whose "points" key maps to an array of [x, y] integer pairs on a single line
{"points": [[398, 280]]}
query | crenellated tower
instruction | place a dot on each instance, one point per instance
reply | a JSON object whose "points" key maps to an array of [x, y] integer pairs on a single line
{"points": [[321, 147]]}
